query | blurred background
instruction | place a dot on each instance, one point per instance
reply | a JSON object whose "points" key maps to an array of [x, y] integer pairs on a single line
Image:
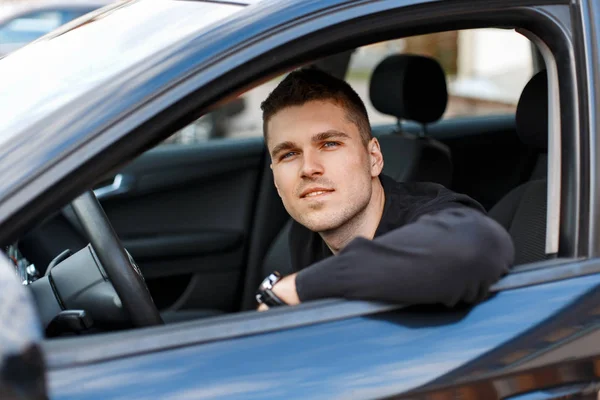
{"points": [[486, 69]]}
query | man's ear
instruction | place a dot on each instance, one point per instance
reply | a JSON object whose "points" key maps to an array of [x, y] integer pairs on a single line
{"points": [[375, 157]]}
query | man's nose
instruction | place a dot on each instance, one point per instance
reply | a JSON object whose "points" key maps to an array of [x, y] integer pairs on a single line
{"points": [[311, 165]]}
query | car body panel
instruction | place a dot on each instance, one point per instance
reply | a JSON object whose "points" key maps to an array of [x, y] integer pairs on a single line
{"points": [[22, 364], [367, 357]]}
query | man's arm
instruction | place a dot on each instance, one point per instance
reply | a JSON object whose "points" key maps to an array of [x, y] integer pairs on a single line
{"points": [[445, 257]]}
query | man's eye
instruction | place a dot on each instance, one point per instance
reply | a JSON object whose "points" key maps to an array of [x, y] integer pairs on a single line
{"points": [[287, 155], [331, 144]]}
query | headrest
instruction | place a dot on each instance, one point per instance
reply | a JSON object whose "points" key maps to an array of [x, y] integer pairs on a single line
{"points": [[532, 112], [409, 87]]}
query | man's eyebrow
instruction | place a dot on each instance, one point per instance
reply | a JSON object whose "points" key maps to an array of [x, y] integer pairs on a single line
{"points": [[319, 137], [282, 146], [331, 134]]}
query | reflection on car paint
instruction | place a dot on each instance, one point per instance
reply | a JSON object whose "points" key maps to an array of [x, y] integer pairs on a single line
{"points": [[361, 357]]}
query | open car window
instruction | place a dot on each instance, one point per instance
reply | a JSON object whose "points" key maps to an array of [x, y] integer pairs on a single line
{"points": [[486, 70], [163, 204], [192, 214]]}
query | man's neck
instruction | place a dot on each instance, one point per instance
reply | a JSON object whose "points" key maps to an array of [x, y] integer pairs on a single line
{"points": [[363, 224]]}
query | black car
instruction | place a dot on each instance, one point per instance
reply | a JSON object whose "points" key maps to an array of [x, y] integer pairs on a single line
{"points": [[90, 110]]}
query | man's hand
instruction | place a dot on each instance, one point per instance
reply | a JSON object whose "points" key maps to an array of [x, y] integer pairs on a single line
{"points": [[285, 289]]}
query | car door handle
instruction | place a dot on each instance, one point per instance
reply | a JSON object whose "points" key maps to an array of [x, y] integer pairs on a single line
{"points": [[121, 184]]}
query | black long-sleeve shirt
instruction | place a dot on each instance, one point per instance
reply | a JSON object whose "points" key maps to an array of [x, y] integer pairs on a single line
{"points": [[432, 246]]}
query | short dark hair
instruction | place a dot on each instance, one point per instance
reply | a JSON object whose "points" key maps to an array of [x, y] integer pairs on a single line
{"points": [[310, 84]]}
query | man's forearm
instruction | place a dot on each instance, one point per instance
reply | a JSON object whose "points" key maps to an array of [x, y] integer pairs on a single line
{"points": [[450, 256], [285, 289]]}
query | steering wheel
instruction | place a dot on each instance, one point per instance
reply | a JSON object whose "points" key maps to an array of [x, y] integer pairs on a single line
{"points": [[120, 267]]}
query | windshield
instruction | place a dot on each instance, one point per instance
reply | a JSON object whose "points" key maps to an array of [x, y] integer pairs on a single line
{"points": [[49, 73]]}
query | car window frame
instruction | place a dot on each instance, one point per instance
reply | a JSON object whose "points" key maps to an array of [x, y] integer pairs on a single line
{"points": [[148, 111], [569, 265]]}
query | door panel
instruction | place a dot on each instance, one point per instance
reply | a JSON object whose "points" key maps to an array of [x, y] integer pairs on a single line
{"points": [[184, 212], [186, 216], [420, 349], [200, 217]]}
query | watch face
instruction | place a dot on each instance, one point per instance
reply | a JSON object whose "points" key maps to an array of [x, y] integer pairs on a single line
{"points": [[269, 281], [264, 294], [266, 284]]}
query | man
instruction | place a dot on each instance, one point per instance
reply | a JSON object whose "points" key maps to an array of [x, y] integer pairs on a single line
{"points": [[358, 234]]}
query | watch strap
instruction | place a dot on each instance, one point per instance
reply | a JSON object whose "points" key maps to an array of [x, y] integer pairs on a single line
{"points": [[265, 294]]}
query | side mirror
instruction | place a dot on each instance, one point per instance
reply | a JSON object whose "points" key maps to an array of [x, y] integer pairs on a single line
{"points": [[22, 367]]}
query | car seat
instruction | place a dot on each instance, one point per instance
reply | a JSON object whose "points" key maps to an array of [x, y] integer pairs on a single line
{"points": [[523, 210]]}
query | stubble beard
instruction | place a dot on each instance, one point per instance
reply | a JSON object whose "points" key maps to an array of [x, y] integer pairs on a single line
{"points": [[337, 221]]}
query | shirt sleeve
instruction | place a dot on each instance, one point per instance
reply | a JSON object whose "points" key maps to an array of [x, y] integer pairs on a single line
{"points": [[448, 256]]}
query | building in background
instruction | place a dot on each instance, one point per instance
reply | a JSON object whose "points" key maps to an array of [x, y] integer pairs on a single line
{"points": [[493, 67], [486, 69]]}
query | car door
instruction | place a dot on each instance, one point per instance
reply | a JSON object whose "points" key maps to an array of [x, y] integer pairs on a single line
{"points": [[491, 351]]}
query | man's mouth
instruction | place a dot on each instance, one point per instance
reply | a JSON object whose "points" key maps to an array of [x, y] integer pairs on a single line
{"points": [[315, 192]]}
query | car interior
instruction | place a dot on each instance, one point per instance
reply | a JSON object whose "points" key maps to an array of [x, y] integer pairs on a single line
{"points": [[205, 225]]}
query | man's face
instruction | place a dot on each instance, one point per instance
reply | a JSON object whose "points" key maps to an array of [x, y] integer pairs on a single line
{"points": [[322, 169]]}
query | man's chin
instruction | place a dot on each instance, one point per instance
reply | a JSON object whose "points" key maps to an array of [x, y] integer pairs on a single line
{"points": [[320, 223]]}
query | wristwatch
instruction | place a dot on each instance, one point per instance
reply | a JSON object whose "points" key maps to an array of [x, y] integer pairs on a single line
{"points": [[265, 295]]}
